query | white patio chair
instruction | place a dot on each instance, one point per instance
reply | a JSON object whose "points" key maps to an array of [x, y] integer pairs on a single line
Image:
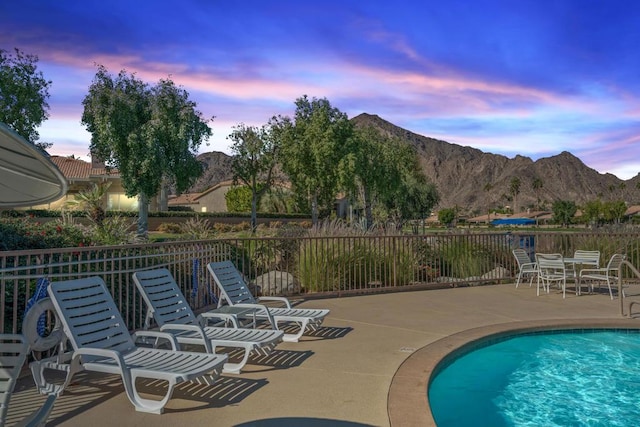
{"points": [[102, 343], [526, 267], [235, 292], [608, 274], [13, 354], [591, 259], [167, 305], [551, 269]]}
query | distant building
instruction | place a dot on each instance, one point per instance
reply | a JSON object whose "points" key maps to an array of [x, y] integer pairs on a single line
{"points": [[212, 199], [82, 176], [632, 211]]}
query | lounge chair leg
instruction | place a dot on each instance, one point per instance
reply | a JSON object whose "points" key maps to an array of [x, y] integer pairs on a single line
{"points": [[141, 404], [293, 337], [235, 368]]}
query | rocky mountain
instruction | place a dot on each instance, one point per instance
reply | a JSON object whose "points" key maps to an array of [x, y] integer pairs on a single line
{"points": [[476, 181], [217, 168]]}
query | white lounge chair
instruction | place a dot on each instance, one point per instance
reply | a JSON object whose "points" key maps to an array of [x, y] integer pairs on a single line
{"points": [[167, 305], [235, 292], [606, 274], [102, 343], [526, 267], [13, 353]]}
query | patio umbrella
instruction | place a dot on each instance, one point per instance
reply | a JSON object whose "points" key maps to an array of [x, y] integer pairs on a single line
{"points": [[27, 176]]}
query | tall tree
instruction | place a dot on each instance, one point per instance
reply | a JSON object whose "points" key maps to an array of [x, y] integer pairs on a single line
{"points": [[446, 216], [514, 190], [592, 212], [563, 211], [409, 194], [614, 211], [150, 134], [537, 185], [367, 164], [383, 172], [313, 151], [23, 95], [255, 156]]}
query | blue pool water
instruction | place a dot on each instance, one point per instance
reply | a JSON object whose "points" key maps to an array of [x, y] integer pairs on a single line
{"points": [[543, 379]]}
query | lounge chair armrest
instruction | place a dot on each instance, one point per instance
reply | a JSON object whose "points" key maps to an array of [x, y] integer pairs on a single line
{"points": [[257, 307], [181, 327], [157, 334], [262, 309], [99, 352], [172, 328], [279, 299], [204, 318]]}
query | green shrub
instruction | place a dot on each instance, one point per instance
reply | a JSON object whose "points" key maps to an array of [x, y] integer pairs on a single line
{"points": [[114, 230], [22, 233], [221, 227], [242, 226]]}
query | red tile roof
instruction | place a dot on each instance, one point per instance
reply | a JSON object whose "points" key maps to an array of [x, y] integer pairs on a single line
{"points": [[79, 169], [184, 199], [632, 210]]}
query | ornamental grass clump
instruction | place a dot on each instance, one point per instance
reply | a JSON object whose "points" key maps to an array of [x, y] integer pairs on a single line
{"points": [[196, 229], [335, 257]]}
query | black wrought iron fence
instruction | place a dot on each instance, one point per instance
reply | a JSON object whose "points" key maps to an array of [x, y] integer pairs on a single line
{"points": [[295, 265]]}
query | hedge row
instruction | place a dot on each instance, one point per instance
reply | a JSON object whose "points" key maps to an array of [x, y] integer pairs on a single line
{"points": [[45, 213]]}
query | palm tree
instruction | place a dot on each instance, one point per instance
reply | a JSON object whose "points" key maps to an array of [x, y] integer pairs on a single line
{"points": [[92, 201], [537, 185], [514, 189]]}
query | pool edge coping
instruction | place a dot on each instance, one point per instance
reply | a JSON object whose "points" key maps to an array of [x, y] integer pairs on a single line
{"points": [[407, 401]]}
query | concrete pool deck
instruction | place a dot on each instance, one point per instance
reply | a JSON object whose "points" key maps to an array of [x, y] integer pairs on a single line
{"points": [[367, 366]]}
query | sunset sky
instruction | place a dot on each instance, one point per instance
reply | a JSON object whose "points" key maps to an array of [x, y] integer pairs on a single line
{"points": [[508, 77]]}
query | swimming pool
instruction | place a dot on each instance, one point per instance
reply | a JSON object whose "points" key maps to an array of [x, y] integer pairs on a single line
{"points": [[557, 378]]}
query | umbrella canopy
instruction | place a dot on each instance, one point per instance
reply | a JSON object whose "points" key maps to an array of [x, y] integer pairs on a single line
{"points": [[513, 221], [27, 176]]}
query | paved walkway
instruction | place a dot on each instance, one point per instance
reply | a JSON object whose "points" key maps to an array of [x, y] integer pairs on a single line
{"points": [[339, 377]]}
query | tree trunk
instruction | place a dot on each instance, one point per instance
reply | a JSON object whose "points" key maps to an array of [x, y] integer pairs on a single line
{"points": [[314, 210], [143, 217], [254, 212], [367, 208], [164, 201]]}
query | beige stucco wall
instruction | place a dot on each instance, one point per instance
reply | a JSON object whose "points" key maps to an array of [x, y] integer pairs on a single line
{"points": [[213, 201]]}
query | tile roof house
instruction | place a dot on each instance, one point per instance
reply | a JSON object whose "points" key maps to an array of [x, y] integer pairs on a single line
{"points": [[211, 200], [82, 175], [632, 211]]}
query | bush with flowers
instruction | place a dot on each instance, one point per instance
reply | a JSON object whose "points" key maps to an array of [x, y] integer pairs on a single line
{"points": [[22, 233]]}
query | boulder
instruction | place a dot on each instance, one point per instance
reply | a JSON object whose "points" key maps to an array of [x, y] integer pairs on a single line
{"points": [[497, 273], [277, 283]]}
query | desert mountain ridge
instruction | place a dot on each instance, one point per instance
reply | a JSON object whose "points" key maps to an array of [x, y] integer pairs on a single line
{"points": [[475, 181]]}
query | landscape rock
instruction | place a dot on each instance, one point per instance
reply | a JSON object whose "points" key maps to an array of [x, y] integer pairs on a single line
{"points": [[277, 283], [497, 273]]}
